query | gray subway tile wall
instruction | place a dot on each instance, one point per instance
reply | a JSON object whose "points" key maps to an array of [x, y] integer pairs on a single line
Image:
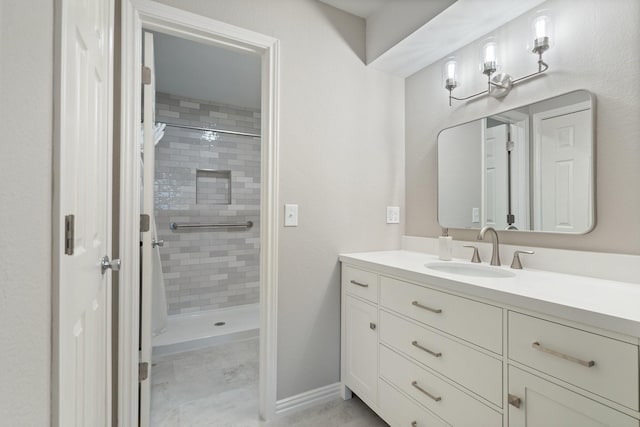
{"points": [[206, 269]]}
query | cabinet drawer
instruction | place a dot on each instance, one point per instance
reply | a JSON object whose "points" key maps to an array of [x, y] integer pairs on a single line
{"points": [[472, 369], [360, 283], [398, 410], [443, 399], [566, 353], [544, 404], [470, 320]]}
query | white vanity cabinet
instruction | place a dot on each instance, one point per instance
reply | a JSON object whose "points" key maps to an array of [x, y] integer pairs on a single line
{"points": [[420, 354]]}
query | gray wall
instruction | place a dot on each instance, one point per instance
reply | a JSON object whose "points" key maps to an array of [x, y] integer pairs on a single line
{"points": [[341, 160], [208, 269], [595, 48], [26, 99]]}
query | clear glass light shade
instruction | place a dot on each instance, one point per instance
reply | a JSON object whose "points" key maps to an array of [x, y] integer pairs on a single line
{"points": [[541, 25], [489, 56], [450, 73]]}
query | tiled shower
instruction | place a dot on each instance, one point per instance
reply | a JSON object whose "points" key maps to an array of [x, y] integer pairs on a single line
{"points": [[208, 177]]}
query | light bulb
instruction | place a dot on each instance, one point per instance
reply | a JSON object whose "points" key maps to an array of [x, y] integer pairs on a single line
{"points": [[451, 70], [541, 27], [490, 52]]}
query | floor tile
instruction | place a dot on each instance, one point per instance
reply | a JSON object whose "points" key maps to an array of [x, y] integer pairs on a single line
{"points": [[218, 386]]}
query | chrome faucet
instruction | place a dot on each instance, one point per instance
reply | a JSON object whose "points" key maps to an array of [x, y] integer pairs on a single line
{"points": [[495, 255]]}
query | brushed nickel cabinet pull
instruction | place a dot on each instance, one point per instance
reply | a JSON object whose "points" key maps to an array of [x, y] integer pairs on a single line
{"points": [[435, 398], [514, 400], [364, 285], [433, 310], [587, 363], [433, 353]]}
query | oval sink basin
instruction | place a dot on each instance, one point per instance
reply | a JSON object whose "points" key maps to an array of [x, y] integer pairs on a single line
{"points": [[469, 269]]}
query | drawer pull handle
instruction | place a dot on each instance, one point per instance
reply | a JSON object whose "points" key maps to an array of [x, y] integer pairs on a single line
{"points": [[372, 326], [414, 424], [514, 400], [433, 310], [435, 398], [588, 363], [364, 285], [433, 353]]}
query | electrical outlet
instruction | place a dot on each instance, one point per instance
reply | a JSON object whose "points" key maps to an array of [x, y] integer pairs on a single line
{"points": [[393, 215], [475, 214]]}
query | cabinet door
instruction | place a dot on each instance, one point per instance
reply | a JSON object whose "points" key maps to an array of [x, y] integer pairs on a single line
{"points": [[361, 343], [544, 404]]}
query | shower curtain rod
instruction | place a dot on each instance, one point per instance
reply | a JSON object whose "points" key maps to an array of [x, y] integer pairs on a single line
{"points": [[229, 132]]}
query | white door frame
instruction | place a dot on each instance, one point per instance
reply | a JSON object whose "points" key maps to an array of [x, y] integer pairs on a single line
{"points": [[136, 15]]}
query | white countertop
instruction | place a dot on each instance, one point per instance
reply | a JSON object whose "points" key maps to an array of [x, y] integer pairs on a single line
{"points": [[606, 304]]}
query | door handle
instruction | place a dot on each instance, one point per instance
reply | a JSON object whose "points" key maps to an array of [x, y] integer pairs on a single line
{"points": [[514, 400], [155, 243], [105, 264]]}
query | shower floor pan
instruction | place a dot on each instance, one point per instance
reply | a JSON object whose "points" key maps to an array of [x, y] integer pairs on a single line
{"points": [[206, 328]]}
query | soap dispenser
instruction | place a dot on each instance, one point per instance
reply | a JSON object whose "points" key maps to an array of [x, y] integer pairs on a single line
{"points": [[445, 245]]}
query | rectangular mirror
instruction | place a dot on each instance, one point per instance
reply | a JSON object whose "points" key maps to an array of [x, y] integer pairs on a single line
{"points": [[527, 169]]}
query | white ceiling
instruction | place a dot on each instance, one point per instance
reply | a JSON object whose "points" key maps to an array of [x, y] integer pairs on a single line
{"points": [[361, 8], [456, 26], [201, 71]]}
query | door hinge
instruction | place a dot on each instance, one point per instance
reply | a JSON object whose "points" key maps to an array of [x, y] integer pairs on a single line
{"points": [[143, 371], [146, 75], [145, 223], [69, 234]]}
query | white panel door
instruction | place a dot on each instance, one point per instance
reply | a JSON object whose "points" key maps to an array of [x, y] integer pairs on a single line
{"points": [[495, 176], [565, 177], [147, 209], [83, 310], [544, 404]]}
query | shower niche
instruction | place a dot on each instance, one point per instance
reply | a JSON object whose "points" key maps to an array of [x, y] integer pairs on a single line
{"points": [[213, 187]]}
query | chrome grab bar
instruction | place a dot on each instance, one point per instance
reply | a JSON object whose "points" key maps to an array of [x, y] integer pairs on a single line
{"points": [[433, 353], [364, 285], [587, 363], [436, 398], [176, 226], [433, 310]]}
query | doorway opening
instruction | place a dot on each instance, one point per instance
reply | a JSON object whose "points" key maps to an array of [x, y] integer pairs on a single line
{"points": [[205, 226], [210, 199]]}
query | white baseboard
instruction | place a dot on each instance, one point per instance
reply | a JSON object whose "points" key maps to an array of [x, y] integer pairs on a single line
{"points": [[309, 398]]}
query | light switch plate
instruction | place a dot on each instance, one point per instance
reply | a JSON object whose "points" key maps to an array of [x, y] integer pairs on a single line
{"points": [[393, 215], [290, 215]]}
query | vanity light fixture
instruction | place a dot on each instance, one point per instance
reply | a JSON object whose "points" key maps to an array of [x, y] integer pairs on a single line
{"points": [[500, 84]]}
